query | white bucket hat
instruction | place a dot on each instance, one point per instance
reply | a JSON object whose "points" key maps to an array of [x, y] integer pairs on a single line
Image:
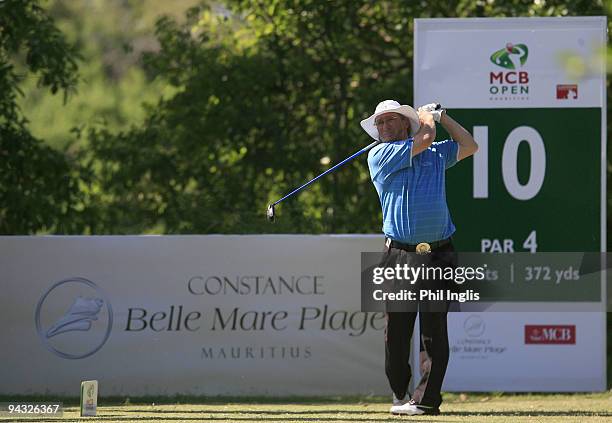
{"points": [[388, 106]]}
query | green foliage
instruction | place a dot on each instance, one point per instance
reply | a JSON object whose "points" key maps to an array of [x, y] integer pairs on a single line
{"points": [[266, 93], [38, 190], [110, 35], [246, 101]]}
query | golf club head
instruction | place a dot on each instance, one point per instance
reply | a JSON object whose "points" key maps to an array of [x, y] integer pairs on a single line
{"points": [[270, 213]]}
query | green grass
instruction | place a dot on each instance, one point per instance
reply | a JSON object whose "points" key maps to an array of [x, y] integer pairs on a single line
{"points": [[493, 407]]}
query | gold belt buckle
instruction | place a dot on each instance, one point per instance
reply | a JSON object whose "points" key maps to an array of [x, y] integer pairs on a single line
{"points": [[423, 248]]}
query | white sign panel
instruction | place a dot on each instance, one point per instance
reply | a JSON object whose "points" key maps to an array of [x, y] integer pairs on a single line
{"points": [[508, 63], [143, 315], [527, 352], [507, 82]]}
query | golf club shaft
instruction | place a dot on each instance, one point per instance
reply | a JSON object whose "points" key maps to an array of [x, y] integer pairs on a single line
{"points": [[348, 159]]}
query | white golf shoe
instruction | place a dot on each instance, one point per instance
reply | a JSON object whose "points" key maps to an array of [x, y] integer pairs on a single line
{"points": [[403, 406], [411, 408]]}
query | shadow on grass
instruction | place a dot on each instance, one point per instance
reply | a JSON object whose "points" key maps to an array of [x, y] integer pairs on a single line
{"points": [[449, 398], [201, 400], [294, 418], [280, 416], [568, 413]]}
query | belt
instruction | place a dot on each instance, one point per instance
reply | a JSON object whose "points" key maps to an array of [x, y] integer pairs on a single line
{"points": [[422, 248]]}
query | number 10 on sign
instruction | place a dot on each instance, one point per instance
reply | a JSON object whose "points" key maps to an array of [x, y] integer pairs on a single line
{"points": [[509, 162]]}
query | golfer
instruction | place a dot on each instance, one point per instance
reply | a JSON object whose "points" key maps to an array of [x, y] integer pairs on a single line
{"points": [[408, 171]]}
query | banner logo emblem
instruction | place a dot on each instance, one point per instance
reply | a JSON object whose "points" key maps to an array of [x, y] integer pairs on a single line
{"points": [[74, 318]]}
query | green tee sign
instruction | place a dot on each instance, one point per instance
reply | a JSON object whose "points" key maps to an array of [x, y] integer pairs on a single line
{"points": [[537, 182]]}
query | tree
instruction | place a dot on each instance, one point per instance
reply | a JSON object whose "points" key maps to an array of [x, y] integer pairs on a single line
{"points": [[110, 36], [268, 93], [38, 185]]}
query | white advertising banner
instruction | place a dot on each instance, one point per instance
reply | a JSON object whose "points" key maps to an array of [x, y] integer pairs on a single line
{"points": [[509, 62], [509, 83], [529, 352], [163, 315]]}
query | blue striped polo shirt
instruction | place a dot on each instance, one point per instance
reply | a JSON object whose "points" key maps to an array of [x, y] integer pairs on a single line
{"points": [[412, 189]]}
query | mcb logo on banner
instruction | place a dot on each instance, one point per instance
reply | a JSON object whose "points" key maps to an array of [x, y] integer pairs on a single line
{"points": [[550, 334], [510, 84], [504, 57], [74, 318]]}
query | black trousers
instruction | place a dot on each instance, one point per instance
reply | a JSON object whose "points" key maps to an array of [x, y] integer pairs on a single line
{"points": [[434, 349]]}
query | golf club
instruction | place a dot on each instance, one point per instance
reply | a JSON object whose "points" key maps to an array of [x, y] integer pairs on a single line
{"points": [[270, 211]]}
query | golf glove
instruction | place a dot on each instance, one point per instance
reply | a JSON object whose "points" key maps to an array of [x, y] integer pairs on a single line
{"points": [[433, 109]]}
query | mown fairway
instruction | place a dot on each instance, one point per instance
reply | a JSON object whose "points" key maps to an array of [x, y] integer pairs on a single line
{"points": [[456, 408]]}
